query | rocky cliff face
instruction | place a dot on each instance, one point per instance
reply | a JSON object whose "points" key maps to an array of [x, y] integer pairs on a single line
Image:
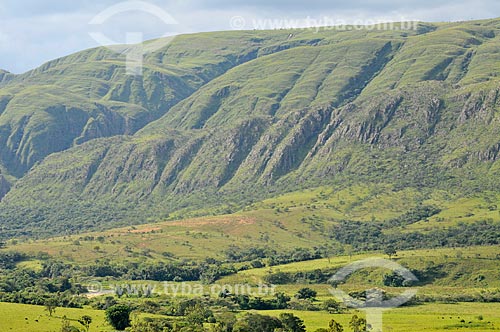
{"points": [[4, 186], [5, 76]]}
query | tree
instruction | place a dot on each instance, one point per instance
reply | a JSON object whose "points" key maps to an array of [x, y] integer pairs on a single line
{"points": [[335, 326], [357, 324], [395, 280], [306, 293], [65, 284], [50, 306], [119, 316], [151, 325], [292, 323], [257, 323], [85, 321], [390, 251], [332, 306], [198, 315], [225, 322], [281, 300]]}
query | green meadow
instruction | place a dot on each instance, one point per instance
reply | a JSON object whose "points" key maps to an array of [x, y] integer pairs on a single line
{"points": [[434, 317], [29, 318], [424, 318]]}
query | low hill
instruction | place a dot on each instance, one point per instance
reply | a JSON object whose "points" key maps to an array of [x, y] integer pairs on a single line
{"points": [[327, 222]]}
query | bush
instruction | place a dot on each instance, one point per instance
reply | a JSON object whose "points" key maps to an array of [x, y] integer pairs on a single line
{"points": [[292, 323], [306, 294], [119, 316], [257, 323]]}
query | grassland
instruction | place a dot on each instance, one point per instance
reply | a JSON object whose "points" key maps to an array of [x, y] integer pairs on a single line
{"points": [[298, 219], [28, 318], [31, 318], [424, 318], [465, 271]]}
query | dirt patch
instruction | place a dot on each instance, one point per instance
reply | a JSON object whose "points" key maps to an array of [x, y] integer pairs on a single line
{"points": [[145, 230], [213, 221]]}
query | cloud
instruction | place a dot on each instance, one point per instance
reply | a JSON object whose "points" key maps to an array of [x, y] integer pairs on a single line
{"points": [[34, 31]]}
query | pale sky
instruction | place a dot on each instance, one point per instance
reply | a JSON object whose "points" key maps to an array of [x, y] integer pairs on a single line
{"points": [[35, 31]]}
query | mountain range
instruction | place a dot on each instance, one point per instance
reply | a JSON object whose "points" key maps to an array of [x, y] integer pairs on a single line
{"points": [[221, 120]]}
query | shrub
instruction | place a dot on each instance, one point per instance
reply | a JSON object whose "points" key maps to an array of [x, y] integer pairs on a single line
{"points": [[119, 316]]}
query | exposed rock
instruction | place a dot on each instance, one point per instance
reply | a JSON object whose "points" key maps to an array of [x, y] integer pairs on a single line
{"points": [[4, 187]]}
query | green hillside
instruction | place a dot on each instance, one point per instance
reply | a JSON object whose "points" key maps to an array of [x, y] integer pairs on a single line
{"points": [[222, 120], [357, 219]]}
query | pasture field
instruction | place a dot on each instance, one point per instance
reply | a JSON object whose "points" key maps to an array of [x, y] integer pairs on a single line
{"points": [[30, 318], [435, 317]]}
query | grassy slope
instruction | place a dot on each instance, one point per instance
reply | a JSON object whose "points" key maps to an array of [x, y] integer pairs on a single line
{"points": [[299, 219], [458, 273], [197, 238], [427, 317]]}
